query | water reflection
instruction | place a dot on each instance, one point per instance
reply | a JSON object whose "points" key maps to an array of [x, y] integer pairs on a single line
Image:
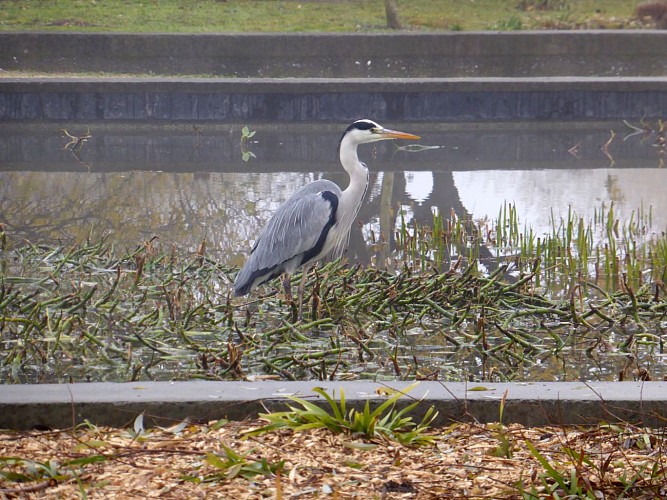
{"points": [[188, 183], [227, 209], [543, 195]]}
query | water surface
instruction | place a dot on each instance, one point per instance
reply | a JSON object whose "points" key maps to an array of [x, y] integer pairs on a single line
{"points": [[186, 183]]}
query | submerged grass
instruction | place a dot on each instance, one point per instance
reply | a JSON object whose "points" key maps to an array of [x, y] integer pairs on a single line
{"points": [[463, 300]]}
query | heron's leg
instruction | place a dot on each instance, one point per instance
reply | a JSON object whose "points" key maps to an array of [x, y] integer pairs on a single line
{"points": [[288, 297], [288, 287], [302, 285]]}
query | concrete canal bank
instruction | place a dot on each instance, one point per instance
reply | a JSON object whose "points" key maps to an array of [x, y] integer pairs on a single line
{"points": [[302, 100], [57, 406], [594, 75], [589, 53]]}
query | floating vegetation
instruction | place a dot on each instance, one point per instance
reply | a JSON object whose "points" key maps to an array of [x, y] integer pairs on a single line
{"points": [[656, 134], [459, 300]]}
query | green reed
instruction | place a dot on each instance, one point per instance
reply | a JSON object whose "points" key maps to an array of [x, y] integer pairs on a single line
{"points": [[603, 249]]}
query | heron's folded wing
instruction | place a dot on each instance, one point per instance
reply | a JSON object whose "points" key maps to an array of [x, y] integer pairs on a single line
{"points": [[296, 228]]}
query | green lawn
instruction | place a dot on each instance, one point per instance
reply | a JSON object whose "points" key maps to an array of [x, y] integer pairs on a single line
{"points": [[204, 16]]}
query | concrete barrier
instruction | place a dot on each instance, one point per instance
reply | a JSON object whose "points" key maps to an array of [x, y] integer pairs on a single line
{"points": [[340, 100], [343, 55], [484, 76], [538, 403]]}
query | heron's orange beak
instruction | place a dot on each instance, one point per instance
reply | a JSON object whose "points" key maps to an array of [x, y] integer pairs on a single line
{"points": [[395, 134]]}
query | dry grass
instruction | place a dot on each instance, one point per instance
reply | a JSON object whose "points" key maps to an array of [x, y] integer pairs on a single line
{"points": [[468, 461]]}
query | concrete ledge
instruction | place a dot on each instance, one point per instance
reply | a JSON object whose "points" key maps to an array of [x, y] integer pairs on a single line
{"points": [[117, 404], [298, 100], [334, 55], [337, 85]]}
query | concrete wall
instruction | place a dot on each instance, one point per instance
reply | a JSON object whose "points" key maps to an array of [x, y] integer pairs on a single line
{"points": [[393, 55], [586, 75], [298, 100]]}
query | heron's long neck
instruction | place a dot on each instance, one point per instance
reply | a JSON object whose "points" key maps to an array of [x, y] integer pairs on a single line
{"points": [[358, 173], [351, 198]]}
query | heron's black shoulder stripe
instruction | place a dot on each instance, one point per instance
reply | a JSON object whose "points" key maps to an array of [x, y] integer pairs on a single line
{"points": [[333, 200], [317, 248]]}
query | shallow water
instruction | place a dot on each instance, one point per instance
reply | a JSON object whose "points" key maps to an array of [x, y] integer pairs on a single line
{"points": [[178, 184], [184, 184]]}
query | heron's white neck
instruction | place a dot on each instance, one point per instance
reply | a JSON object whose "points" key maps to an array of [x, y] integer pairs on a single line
{"points": [[356, 170], [351, 198]]}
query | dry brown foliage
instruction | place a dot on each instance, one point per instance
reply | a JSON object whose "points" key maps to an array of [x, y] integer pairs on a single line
{"points": [[469, 461], [657, 11]]}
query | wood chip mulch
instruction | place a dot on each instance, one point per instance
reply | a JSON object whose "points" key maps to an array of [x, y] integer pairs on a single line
{"points": [[467, 461]]}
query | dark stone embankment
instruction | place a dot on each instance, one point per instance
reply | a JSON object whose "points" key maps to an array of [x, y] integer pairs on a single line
{"points": [[303, 100]]}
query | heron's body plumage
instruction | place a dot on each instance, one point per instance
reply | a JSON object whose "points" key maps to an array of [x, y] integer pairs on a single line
{"points": [[315, 222], [299, 233]]}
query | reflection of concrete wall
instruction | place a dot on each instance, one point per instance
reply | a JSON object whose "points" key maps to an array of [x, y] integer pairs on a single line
{"points": [[403, 55], [313, 148]]}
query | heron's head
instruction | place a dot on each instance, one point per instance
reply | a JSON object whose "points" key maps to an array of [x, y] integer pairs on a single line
{"points": [[363, 131]]}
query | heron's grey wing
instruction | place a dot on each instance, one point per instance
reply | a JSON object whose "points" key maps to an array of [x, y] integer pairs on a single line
{"points": [[295, 235]]}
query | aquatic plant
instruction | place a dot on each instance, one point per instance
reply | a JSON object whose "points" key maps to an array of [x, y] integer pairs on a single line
{"points": [[462, 299]]}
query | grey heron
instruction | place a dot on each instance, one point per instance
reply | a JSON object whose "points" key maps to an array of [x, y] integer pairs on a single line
{"points": [[315, 222]]}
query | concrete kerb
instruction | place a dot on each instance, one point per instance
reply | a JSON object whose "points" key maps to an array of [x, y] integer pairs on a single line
{"points": [[531, 404]]}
